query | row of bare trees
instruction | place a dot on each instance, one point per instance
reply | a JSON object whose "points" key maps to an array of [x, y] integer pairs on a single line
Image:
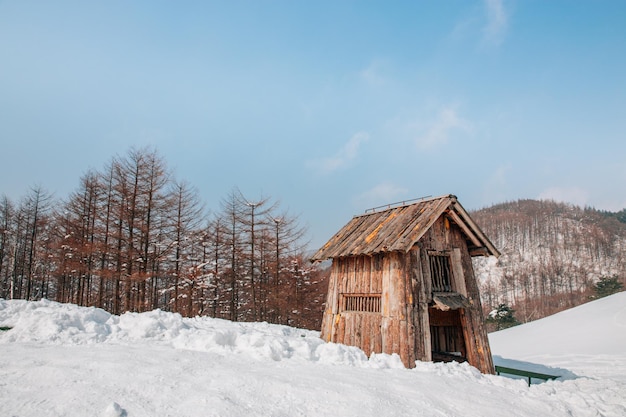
{"points": [[133, 238], [552, 254]]}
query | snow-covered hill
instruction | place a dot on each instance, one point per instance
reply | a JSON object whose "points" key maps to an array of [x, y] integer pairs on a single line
{"points": [[552, 254], [64, 360], [589, 340]]}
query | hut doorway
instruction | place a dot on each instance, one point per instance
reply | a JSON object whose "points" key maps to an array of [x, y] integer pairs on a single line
{"points": [[446, 336]]}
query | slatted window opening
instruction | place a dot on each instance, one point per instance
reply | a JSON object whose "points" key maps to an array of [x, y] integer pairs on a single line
{"points": [[441, 273], [365, 303]]}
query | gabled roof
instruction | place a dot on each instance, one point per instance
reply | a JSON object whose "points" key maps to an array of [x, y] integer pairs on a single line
{"points": [[399, 228]]}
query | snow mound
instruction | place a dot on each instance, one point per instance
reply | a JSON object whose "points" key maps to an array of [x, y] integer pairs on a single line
{"points": [[47, 322]]}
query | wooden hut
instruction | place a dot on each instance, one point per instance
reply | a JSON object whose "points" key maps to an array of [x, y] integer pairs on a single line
{"points": [[402, 282]]}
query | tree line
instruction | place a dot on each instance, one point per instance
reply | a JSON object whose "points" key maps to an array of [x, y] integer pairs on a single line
{"points": [[132, 237]]}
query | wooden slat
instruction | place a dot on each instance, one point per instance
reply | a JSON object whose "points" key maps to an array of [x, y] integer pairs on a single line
{"points": [[457, 272]]}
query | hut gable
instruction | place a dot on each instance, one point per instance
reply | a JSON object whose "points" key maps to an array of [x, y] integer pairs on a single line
{"points": [[402, 282]]}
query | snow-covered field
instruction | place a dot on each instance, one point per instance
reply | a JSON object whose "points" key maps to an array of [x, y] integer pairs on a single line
{"points": [[64, 360]]}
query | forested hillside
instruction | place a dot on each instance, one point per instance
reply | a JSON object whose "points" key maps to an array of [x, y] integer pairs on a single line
{"points": [[552, 254], [132, 237]]}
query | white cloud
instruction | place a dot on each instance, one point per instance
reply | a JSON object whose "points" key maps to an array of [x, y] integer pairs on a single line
{"points": [[497, 22], [373, 74], [383, 193], [439, 131], [343, 158], [572, 195]]}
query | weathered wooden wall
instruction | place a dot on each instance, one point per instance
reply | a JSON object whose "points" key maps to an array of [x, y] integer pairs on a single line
{"points": [[398, 331], [354, 275], [404, 284], [389, 331], [444, 235]]}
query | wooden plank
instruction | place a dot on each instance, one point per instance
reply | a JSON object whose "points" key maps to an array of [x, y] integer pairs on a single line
{"points": [[423, 321], [327, 327], [385, 344], [358, 330], [341, 324], [457, 272], [366, 333], [386, 288], [378, 337], [395, 335], [377, 272], [426, 277]]}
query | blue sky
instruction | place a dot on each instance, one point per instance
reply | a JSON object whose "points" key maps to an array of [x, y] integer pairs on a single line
{"points": [[331, 107]]}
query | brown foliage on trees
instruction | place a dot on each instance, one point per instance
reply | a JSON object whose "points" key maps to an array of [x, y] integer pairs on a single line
{"points": [[132, 238]]}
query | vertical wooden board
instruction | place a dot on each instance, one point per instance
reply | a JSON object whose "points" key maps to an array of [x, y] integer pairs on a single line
{"points": [[338, 265], [411, 343], [358, 330], [348, 272], [389, 335], [395, 336], [403, 343], [418, 332], [471, 342], [364, 281], [385, 343], [483, 350], [343, 276], [327, 327], [346, 329], [457, 272], [420, 305], [354, 282], [374, 327], [340, 328], [350, 330], [426, 278], [353, 334], [333, 290], [376, 334], [370, 275], [364, 278], [385, 295], [396, 283], [366, 333], [376, 274], [407, 275], [357, 273]]}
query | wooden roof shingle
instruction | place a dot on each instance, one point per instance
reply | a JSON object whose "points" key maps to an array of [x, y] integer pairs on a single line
{"points": [[399, 228]]}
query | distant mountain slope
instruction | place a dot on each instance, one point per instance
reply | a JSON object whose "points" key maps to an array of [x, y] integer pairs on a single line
{"points": [[552, 253]]}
